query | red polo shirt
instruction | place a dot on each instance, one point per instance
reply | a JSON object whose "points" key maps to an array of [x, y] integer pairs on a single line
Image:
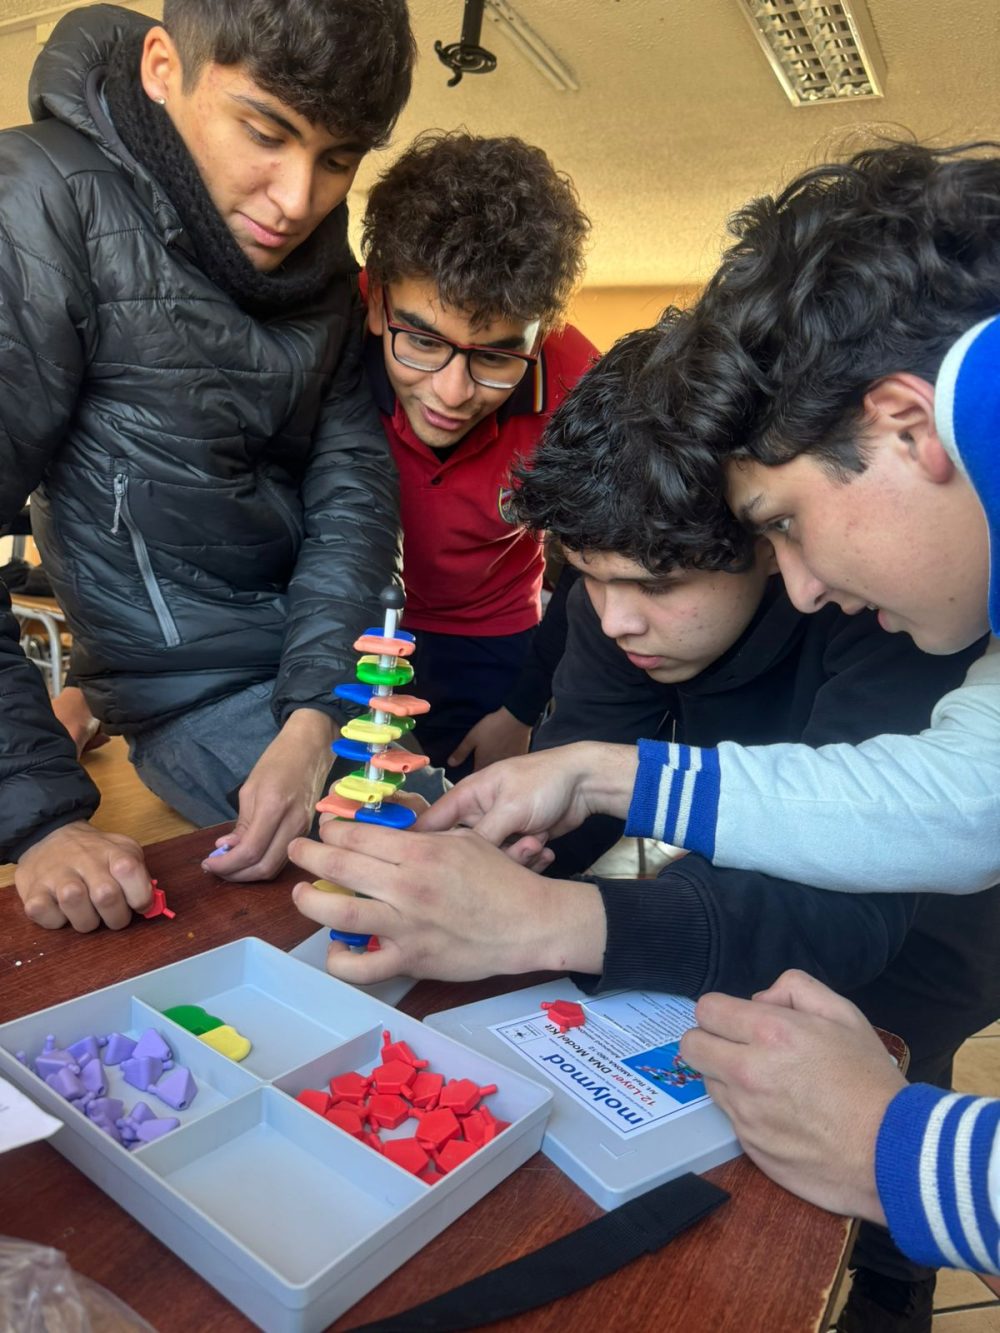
{"points": [[467, 570]]}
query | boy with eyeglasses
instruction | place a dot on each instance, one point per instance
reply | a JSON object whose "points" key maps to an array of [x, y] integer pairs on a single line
{"points": [[473, 247]]}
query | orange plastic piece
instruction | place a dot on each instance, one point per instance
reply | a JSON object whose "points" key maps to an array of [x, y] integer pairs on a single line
{"points": [[399, 705], [339, 806], [374, 643], [398, 761]]}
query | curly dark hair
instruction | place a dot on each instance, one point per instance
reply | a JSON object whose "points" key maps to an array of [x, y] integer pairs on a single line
{"points": [[855, 271], [343, 64], [610, 475], [490, 221]]}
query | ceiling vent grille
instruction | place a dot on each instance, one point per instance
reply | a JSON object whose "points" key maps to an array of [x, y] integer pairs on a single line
{"points": [[820, 52]]}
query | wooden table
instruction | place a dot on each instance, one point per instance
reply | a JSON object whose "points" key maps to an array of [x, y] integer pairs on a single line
{"points": [[763, 1263]]}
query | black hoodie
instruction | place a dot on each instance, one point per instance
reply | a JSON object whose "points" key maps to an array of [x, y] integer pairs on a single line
{"points": [[919, 964]]}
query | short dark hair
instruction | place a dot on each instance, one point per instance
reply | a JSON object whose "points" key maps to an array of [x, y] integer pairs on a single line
{"points": [[490, 221], [343, 64], [610, 475], [857, 270]]}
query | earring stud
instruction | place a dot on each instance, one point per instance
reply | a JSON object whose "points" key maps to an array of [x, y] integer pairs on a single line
{"points": [[160, 101]]}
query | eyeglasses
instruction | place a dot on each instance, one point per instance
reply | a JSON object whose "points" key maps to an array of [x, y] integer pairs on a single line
{"points": [[430, 352]]}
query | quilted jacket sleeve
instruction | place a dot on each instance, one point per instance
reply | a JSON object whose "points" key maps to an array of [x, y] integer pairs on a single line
{"points": [[352, 546]]}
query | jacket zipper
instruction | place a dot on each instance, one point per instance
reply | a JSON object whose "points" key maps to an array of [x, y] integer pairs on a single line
{"points": [[283, 509], [168, 626]]}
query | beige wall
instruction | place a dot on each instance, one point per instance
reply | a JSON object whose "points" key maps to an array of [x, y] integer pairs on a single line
{"points": [[604, 314]]}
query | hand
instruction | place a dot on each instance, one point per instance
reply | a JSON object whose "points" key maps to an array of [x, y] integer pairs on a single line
{"points": [[498, 735], [73, 711], [806, 1082], [79, 875], [541, 795], [447, 906], [278, 799]]}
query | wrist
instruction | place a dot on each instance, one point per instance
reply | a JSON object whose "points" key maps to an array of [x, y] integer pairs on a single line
{"points": [[607, 777], [569, 928], [310, 726]]}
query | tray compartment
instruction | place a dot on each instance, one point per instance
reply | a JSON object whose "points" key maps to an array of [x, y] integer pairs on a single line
{"points": [[289, 1012]]}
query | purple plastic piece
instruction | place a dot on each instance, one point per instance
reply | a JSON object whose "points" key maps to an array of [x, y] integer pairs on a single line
{"points": [[93, 1078], [106, 1108], [178, 1088], [52, 1060], [117, 1048], [151, 1043], [141, 1111], [110, 1128], [155, 1129], [66, 1083], [87, 1048], [21, 1057], [142, 1073]]}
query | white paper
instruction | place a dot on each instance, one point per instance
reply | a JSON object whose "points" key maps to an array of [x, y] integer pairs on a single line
{"points": [[623, 1064], [21, 1121]]}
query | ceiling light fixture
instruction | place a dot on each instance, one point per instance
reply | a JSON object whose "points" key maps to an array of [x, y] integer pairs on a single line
{"points": [[508, 21], [821, 51]]}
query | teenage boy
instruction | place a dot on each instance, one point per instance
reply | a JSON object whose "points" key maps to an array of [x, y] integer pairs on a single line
{"points": [[677, 625], [473, 247], [844, 365], [212, 493]]}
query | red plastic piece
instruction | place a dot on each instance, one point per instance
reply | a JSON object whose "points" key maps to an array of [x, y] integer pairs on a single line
{"points": [[158, 907], [479, 1126], [373, 945], [430, 1176], [461, 1095], [387, 1110], [435, 1128], [425, 1090], [565, 1014], [399, 1050], [350, 1087], [347, 1118], [408, 1154], [394, 1076], [453, 1154], [372, 1139], [316, 1100]]}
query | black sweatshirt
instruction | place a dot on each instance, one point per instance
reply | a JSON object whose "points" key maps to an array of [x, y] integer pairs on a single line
{"points": [[920, 964]]}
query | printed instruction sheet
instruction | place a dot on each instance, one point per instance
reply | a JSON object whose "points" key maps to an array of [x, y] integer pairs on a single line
{"points": [[624, 1064], [21, 1121]]}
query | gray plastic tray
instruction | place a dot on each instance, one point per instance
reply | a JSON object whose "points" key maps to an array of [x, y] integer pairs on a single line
{"points": [[610, 1169], [290, 1218]]}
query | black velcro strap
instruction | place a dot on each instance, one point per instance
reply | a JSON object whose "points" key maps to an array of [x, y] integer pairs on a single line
{"points": [[593, 1251]]}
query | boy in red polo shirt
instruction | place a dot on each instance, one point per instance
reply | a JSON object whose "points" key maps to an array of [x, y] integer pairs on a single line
{"points": [[473, 247]]}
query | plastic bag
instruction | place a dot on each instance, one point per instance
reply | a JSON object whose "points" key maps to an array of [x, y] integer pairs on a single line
{"points": [[40, 1293]]}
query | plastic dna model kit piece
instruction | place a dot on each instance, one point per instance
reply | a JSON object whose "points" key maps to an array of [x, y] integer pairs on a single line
{"points": [[366, 793]]}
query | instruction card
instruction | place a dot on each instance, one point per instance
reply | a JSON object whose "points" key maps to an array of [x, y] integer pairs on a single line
{"points": [[21, 1121], [624, 1064]]}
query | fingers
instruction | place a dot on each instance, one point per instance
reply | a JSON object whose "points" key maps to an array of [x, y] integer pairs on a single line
{"points": [[130, 873], [461, 805], [345, 911], [464, 748], [259, 850], [373, 870], [798, 990], [530, 851], [363, 969]]}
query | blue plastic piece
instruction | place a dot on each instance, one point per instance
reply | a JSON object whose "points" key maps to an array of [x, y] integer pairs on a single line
{"points": [[379, 633], [387, 814], [356, 750], [346, 937], [354, 693]]}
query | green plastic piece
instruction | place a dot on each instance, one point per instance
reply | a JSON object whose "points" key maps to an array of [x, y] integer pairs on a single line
{"points": [[370, 673], [193, 1018], [393, 779]]}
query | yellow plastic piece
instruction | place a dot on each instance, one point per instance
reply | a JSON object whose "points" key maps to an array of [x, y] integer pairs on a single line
{"points": [[369, 790], [328, 886], [227, 1041], [370, 733]]}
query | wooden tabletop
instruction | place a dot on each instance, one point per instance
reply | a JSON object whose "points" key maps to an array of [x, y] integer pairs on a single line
{"points": [[765, 1262]]}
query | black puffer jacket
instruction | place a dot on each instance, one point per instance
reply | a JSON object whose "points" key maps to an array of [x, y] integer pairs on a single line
{"points": [[213, 493]]}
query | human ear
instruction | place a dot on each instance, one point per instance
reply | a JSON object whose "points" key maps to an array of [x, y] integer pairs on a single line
{"points": [[160, 67], [376, 319], [903, 406]]}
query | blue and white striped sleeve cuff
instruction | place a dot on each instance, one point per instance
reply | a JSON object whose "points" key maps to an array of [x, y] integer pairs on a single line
{"points": [[676, 796], [937, 1168]]}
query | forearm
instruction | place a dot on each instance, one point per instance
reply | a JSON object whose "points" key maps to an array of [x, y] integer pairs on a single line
{"points": [[894, 814], [937, 1168]]}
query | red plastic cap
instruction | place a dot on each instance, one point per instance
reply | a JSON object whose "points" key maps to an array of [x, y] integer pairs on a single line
{"points": [[565, 1014]]}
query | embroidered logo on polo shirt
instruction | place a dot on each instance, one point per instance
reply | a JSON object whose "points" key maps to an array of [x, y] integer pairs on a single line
{"points": [[504, 497]]}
